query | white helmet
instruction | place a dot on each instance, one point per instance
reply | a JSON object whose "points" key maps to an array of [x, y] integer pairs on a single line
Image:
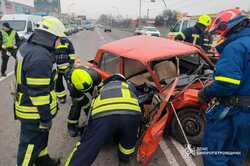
{"points": [[52, 25]]}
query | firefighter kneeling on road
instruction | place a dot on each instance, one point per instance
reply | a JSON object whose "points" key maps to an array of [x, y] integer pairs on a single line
{"points": [[227, 122], [81, 82], [35, 100], [64, 49], [115, 112], [198, 35]]}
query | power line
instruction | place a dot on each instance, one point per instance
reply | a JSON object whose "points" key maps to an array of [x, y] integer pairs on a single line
{"points": [[165, 3]]}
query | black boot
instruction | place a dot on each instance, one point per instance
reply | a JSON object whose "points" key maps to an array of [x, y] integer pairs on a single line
{"points": [[62, 100], [47, 161], [73, 130], [4, 75]]}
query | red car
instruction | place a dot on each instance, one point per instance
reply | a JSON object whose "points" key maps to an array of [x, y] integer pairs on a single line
{"points": [[169, 75]]}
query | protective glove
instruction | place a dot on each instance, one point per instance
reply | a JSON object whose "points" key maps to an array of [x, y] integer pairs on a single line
{"points": [[203, 98], [62, 58], [45, 125]]}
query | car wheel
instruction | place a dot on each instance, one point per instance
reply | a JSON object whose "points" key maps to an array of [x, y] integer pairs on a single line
{"points": [[193, 122]]}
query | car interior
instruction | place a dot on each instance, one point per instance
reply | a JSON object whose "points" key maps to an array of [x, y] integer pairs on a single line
{"points": [[190, 67]]}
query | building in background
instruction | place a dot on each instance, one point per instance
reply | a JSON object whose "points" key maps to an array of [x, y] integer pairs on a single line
{"points": [[50, 7], [10, 7]]}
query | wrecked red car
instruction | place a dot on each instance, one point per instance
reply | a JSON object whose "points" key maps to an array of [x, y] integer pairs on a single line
{"points": [[171, 73]]}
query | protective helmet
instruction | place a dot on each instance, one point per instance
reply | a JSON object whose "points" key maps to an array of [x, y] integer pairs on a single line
{"points": [[81, 79], [6, 25], [226, 21], [53, 26], [205, 20], [96, 77], [115, 77]]}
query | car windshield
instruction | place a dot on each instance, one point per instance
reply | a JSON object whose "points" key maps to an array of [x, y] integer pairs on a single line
{"points": [[18, 25]]}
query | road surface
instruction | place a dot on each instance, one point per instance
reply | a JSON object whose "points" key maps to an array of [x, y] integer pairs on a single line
{"points": [[170, 153]]}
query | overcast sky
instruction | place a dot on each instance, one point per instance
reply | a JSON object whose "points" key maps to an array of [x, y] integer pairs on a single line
{"points": [[130, 8]]}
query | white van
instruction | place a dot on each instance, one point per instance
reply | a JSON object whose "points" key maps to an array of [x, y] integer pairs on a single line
{"points": [[23, 24]]}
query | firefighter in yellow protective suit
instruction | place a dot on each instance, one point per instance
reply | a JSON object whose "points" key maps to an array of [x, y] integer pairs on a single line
{"points": [[35, 100]]}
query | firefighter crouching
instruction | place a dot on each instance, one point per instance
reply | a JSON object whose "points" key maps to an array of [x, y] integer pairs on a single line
{"points": [[35, 104], [64, 49], [81, 82], [114, 112], [9, 41], [198, 34]]}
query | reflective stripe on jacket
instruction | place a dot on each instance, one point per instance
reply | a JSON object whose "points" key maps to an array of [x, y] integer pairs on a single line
{"points": [[66, 49], [197, 36], [9, 40], [115, 98], [35, 77]]}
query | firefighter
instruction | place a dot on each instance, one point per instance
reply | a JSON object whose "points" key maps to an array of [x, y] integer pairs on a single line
{"points": [[115, 112], [198, 34], [227, 121], [63, 64], [81, 82], [9, 41], [35, 101]]}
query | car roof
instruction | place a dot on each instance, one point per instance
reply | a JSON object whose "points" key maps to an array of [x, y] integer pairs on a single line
{"points": [[146, 48]]}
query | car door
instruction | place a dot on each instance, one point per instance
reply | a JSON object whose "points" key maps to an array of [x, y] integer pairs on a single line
{"points": [[109, 64]]}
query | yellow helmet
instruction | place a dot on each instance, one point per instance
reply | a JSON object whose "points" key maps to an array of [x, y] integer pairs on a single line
{"points": [[205, 20], [52, 25], [81, 79]]}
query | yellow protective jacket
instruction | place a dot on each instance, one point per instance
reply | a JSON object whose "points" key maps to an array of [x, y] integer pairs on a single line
{"points": [[115, 97]]}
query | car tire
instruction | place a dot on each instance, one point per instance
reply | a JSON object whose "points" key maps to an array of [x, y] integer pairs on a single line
{"points": [[193, 122]]}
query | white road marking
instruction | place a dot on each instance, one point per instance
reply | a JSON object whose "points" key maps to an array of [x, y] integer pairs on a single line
{"points": [[8, 75], [168, 154], [189, 161]]}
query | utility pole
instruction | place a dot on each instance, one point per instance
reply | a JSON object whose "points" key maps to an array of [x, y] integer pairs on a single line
{"points": [[59, 6], [3, 6], [164, 3], [139, 20], [148, 13]]}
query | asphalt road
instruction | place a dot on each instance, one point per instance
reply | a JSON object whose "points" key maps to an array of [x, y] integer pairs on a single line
{"points": [[170, 153]]}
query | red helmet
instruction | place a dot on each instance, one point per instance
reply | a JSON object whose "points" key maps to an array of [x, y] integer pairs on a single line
{"points": [[226, 20]]}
